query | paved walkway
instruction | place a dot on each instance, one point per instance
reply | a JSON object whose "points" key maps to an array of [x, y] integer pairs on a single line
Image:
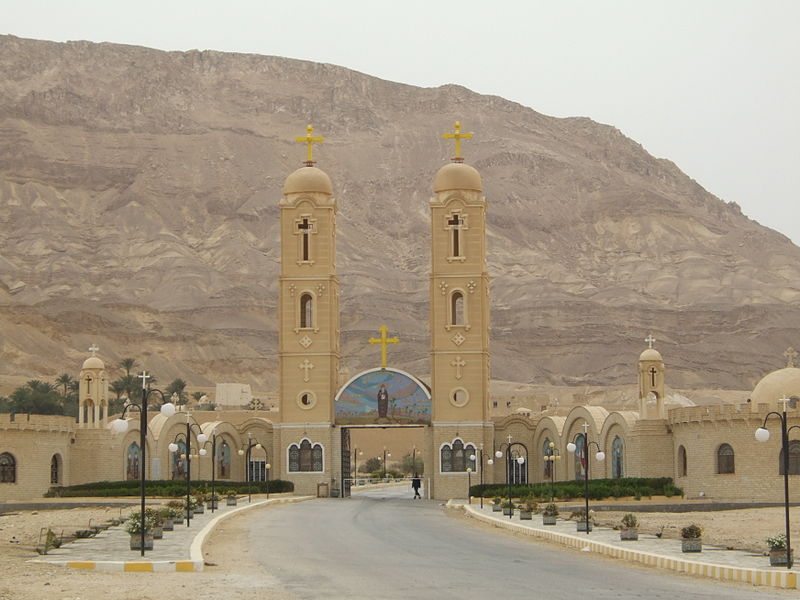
{"points": [[179, 550], [715, 562]]}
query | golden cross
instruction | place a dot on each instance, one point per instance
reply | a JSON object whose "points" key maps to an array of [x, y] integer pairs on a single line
{"points": [[309, 139], [457, 136], [383, 340], [790, 355]]}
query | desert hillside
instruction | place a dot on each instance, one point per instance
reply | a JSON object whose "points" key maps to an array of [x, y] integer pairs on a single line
{"points": [[139, 198]]}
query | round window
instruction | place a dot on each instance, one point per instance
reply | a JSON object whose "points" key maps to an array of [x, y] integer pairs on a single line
{"points": [[306, 399], [459, 397]]}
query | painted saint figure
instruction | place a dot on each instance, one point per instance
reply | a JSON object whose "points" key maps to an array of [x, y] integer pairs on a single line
{"points": [[383, 402]]}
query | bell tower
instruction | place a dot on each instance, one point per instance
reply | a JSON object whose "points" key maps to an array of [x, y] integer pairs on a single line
{"points": [[651, 382], [459, 315], [93, 392], [308, 344]]}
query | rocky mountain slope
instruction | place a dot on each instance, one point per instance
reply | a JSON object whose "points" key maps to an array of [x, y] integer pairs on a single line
{"points": [[138, 210]]}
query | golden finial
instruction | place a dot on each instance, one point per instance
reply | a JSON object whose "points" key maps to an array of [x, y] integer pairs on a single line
{"points": [[309, 139], [457, 136]]}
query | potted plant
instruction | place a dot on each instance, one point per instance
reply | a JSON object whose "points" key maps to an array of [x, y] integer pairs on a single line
{"points": [[630, 528], [230, 498], [192, 505], [167, 518], [213, 502], [508, 508], [177, 510], [134, 527], [580, 519], [154, 517], [691, 538], [778, 557], [526, 509], [549, 514], [199, 503], [496, 504]]}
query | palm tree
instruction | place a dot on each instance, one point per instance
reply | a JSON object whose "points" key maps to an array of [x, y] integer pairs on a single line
{"points": [[64, 379], [127, 364]]}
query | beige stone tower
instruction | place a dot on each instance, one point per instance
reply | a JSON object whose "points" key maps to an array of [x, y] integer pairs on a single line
{"points": [[651, 383], [93, 392], [459, 319], [308, 327]]}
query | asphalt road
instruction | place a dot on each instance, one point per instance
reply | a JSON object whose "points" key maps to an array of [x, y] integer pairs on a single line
{"points": [[382, 545]]}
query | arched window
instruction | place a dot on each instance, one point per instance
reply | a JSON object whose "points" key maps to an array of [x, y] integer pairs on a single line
{"points": [[55, 469], [455, 457], [306, 457], [132, 461], [455, 224], [515, 472], [682, 466], [617, 458], [794, 459], [580, 457], [178, 464], [306, 311], [547, 471], [8, 468], [224, 460], [457, 308], [725, 462]]}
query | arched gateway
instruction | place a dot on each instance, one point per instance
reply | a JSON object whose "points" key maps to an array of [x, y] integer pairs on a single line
{"points": [[317, 410]]}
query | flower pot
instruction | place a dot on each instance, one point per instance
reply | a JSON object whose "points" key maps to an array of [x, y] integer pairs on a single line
{"points": [[691, 545], [496, 508], [778, 557], [230, 501], [630, 534], [158, 533], [177, 521], [199, 509], [212, 504], [525, 515], [549, 519], [136, 541], [582, 525], [168, 525], [507, 512]]}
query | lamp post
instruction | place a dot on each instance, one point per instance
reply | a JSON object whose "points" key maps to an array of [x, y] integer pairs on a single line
{"points": [[511, 455], [120, 425], [600, 456], [356, 454], [469, 484], [552, 457], [762, 435], [414, 461], [250, 444], [490, 462], [173, 448], [213, 468]]}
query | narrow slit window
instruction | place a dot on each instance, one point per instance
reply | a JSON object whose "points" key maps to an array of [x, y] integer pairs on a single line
{"points": [[306, 311], [457, 309]]}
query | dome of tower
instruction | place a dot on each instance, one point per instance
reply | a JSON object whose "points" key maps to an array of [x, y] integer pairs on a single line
{"points": [[457, 176], [650, 354], [308, 179], [93, 363], [776, 385]]}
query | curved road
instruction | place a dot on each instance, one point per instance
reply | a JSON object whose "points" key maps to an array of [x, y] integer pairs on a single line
{"points": [[382, 545]]}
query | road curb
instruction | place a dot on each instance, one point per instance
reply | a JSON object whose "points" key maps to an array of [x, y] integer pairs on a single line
{"points": [[195, 563], [775, 578]]}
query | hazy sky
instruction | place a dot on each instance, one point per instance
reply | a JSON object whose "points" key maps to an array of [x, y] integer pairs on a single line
{"points": [[713, 85]]}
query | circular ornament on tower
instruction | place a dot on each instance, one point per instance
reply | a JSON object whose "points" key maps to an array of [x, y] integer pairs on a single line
{"points": [[459, 397], [306, 400]]}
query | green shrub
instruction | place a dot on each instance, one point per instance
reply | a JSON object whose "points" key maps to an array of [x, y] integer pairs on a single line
{"points": [[163, 488]]}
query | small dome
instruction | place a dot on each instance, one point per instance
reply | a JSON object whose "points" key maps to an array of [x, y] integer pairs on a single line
{"points": [[774, 386], [308, 179], [93, 363], [651, 354], [457, 176]]}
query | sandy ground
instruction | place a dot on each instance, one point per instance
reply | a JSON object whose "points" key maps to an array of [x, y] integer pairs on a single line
{"points": [[233, 575]]}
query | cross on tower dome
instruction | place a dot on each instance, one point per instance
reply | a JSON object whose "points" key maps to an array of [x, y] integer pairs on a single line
{"points": [[457, 136], [790, 355], [650, 340], [94, 349], [309, 140]]}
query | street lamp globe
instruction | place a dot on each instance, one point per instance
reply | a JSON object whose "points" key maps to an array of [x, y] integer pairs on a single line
{"points": [[472, 457], [119, 425], [469, 469], [202, 438], [258, 446], [520, 460], [490, 461], [168, 409], [600, 456], [240, 452], [571, 447], [203, 451], [173, 447], [268, 466], [762, 434], [498, 454], [183, 456]]}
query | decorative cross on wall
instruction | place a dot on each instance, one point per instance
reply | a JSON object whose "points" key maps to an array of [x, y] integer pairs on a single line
{"points": [[306, 366], [383, 340], [458, 363]]}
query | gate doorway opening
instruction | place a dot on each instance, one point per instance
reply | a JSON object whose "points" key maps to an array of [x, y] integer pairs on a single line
{"points": [[385, 455]]}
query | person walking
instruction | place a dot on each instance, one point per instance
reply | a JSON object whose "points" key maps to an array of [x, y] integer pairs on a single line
{"points": [[416, 483]]}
